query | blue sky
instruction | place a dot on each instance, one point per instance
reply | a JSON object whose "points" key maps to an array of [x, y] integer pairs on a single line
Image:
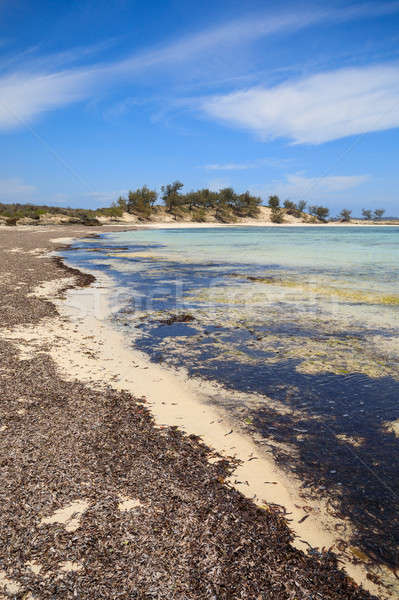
{"points": [[295, 98]]}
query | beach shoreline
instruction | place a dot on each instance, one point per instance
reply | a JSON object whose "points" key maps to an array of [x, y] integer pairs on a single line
{"points": [[193, 225], [258, 477], [87, 348], [120, 225]]}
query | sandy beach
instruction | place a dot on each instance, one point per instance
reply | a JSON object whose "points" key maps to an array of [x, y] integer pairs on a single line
{"points": [[126, 475]]}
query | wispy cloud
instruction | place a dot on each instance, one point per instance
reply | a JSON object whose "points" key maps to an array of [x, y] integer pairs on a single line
{"points": [[244, 166], [23, 96], [298, 185], [12, 189], [252, 27], [316, 109], [46, 84]]}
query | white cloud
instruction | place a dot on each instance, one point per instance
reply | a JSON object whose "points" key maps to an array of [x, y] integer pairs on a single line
{"points": [[255, 26], [41, 85], [317, 109], [231, 166], [24, 96], [11, 190], [244, 166], [300, 186]]}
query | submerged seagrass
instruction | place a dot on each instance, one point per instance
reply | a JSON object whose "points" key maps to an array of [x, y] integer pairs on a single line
{"points": [[301, 318]]}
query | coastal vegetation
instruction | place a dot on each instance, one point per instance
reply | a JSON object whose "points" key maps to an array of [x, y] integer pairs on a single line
{"points": [[376, 214], [203, 205], [345, 215], [227, 204], [320, 212], [33, 213]]}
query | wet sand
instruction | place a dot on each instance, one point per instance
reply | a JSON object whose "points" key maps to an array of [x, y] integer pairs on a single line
{"points": [[77, 424]]}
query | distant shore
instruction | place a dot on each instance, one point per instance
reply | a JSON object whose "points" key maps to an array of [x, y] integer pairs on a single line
{"points": [[187, 225], [160, 217], [123, 225]]}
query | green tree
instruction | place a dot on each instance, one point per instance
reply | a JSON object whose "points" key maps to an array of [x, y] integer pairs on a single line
{"points": [[246, 205], [321, 212], [366, 214], [274, 202], [171, 196], [192, 201], [121, 203], [141, 201], [301, 206], [378, 213], [290, 207], [205, 199], [277, 215], [226, 198], [294, 209], [345, 215]]}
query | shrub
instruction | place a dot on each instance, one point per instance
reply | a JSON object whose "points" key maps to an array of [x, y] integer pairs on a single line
{"points": [[277, 215], [225, 216], [112, 211], [199, 216], [178, 213]]}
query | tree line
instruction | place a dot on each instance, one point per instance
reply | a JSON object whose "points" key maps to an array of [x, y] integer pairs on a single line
{"points": [[227, 204], [319, 213]]}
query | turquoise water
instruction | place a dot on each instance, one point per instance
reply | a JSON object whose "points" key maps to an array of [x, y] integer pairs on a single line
{"points": [[291, 246], [300, 327]]}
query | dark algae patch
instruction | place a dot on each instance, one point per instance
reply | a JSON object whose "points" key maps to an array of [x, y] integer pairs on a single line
{"points": [[335, 428], [189, 536], [179, 318]]}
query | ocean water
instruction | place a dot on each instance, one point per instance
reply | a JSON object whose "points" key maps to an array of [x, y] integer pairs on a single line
{"points": [[300, 327]]}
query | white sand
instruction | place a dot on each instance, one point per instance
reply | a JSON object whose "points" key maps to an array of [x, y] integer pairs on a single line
{"points": [[9, 585], [253, 223], [69, 515], [127, 503]]}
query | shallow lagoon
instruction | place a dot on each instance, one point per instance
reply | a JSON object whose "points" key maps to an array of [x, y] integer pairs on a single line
{"points": [[303, 322]]}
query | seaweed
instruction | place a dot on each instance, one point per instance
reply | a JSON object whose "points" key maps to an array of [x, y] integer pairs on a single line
{"points": [[179, 318]]}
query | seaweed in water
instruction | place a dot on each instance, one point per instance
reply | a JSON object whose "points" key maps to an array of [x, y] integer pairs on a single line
{"points": [[180, 318]]}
